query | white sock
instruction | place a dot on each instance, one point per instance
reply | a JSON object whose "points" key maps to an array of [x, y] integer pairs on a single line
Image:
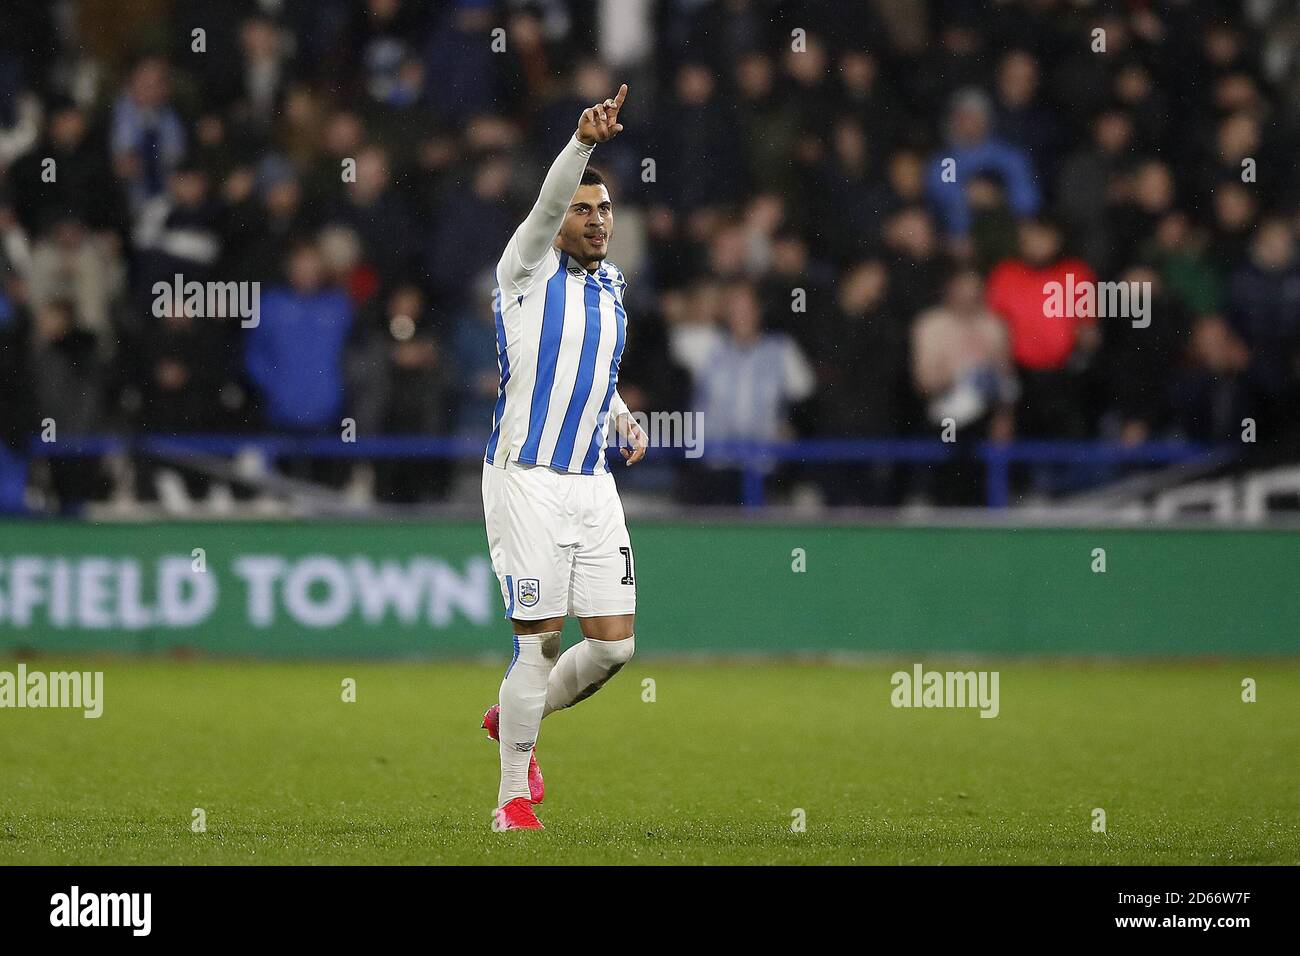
{"points": [[523, 695], [583, 669]]}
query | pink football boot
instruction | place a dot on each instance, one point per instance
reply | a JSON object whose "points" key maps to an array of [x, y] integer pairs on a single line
{"points": [[517, 815]]}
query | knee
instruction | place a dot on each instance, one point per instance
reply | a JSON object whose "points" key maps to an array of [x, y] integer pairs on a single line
{"points": [[613, 654]]}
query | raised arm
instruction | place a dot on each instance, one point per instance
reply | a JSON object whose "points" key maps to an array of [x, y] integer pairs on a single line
{"points": [[527, 247], [535, 234]]}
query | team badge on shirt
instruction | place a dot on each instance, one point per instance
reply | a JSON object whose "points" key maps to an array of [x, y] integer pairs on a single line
{"points": [[528, 591]]}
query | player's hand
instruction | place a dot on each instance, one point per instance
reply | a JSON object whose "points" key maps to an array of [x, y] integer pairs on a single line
{"points": [[630, 430], [599, 123]]}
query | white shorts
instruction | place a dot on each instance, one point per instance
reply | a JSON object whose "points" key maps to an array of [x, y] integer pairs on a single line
{"points": [[558, 542]]}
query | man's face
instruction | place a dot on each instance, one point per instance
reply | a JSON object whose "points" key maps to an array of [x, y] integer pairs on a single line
{"points": [[970, 126], [1113, 132], [149, 84], [306, 270], [964, 293], [588, 225], [188, 188], [1039, 243], [1273, 246], [743, 314], [372, 174], [67, 128]]}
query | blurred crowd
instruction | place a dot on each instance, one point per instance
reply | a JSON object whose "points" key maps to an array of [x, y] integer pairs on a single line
{"points": [[837, 219]]}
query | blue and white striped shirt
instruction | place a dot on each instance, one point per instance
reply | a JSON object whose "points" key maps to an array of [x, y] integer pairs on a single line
{"points": [[560, 333]]}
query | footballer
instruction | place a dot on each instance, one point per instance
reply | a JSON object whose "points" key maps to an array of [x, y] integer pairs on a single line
{"points": [[555, 524]]}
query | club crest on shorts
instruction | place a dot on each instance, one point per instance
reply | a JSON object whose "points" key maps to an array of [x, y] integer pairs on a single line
{"points": [[528, 591]]}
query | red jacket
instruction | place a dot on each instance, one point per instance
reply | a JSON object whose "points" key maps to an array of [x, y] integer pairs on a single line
{"points": [[1019, 294]]}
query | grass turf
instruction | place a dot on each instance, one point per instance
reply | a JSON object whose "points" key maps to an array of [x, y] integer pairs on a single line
{"points": [[710, 772]]}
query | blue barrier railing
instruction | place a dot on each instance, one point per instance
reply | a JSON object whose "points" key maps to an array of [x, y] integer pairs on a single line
{"points": [[753, 459]]}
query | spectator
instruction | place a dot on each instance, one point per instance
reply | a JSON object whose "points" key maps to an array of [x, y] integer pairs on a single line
{"points": [[973, 148], [474, 350], [1263, 308], [343, 138], [859, 357], [744, 387], [295, 354], [916, 267], [1135, 90], [70, 263], [993, 224], [401, 388], [865, 95], [262, 75], [454, 251], [1022, 120], [147, 137], [1209, 397], [695, 125], [177, 232], [798, 290], [1145, 197], [770, 123], [185, 374], [373, 209], [69, 378], [1090, 181], [460, 64], [1049, 350], [1178, 252], [272, 215], [81, 178], [848, 196], [962, 368], [1235, 212], [1133, 360], [186, 386], [961, 362]]}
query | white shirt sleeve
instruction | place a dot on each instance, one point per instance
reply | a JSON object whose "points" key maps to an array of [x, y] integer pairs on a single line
{"points": [[692, 346], [798, 377], [531, 241], [617, 406]]}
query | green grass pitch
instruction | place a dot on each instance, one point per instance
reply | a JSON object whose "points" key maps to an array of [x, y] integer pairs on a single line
{"points": [[712, 771]]}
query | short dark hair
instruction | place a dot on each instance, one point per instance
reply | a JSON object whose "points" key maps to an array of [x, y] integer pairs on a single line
{"points": [[1043, 221], [592, 177]]}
